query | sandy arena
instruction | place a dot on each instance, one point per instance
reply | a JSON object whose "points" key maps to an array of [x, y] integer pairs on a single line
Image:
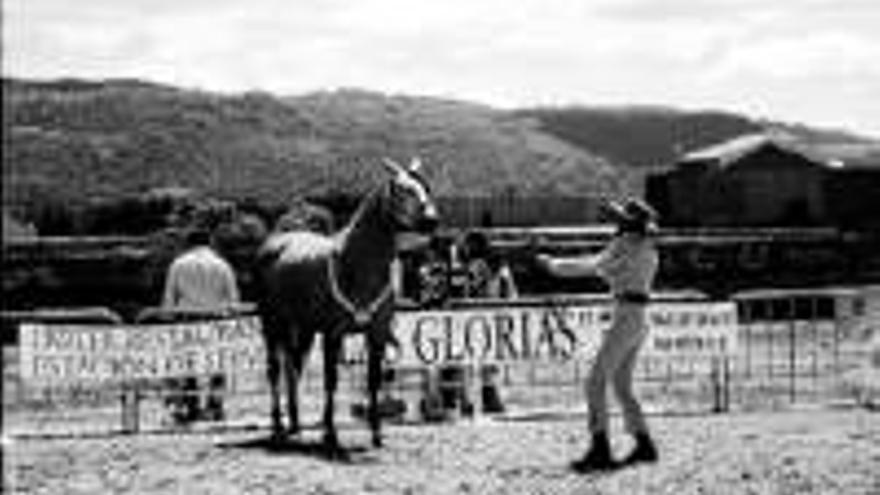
{"points": [[796, 452]]}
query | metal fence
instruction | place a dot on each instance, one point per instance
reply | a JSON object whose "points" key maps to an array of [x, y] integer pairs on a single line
{"points": [[805, 346], [794, 348], [517, 210]]}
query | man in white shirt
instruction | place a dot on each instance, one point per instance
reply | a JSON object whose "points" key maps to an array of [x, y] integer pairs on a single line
{"points": [[199, 279], [628, 264]]}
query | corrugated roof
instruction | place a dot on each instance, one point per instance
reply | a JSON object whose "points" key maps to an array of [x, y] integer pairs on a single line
{"points": [[834, 155], [729, 151]]}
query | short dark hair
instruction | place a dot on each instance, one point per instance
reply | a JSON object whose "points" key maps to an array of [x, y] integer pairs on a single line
{"points": [[198, 237], [477, 244]]}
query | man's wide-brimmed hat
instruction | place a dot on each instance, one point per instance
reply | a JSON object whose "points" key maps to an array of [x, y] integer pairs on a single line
{"points": [[633, 212]]}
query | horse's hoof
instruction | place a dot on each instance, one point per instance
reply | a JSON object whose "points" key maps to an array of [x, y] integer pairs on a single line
{"points": [[337, 454], [331, 442], [333, 450], [377, 442], [277, 437]]}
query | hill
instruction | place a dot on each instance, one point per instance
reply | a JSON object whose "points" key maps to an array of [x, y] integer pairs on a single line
{"points": [[68, 141], [649, 137], [79, 139]]}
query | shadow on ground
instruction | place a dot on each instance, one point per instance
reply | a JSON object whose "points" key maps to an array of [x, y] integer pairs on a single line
{"points": [[353, 454]]}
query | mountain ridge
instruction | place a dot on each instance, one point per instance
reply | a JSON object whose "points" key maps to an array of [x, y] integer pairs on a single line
{"points": [[77, 138]]}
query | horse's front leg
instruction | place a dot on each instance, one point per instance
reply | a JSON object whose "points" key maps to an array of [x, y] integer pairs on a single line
{"points": [[273, 373], [297, 356], [376, 353], [332, 345], [292, 376]]}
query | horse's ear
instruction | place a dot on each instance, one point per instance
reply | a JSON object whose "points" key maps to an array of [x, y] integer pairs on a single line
{"points": [[392, 166], [415, 165]]}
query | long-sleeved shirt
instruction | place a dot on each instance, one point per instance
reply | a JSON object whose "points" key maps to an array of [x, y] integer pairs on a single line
{"points": [[628, 264], [200, 279]]}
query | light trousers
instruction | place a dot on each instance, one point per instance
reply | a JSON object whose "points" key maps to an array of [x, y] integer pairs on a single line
{"points": [[614, 364]]}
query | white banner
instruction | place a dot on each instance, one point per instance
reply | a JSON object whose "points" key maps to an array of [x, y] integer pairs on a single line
{"points": [[60, 353], [552, 333]]}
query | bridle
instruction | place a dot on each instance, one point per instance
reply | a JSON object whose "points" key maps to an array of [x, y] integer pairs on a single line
{"points": [[362, 316], [394, 194]]}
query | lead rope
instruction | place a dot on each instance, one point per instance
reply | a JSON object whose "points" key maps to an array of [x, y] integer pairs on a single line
{"points": [[361, 316], [557, 310]]}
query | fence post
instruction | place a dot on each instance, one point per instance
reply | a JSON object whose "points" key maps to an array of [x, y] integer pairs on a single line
{"points": [[725, 363], [792, 358], [771, 341], [476, 388], [747, 327], [130, 399], [715, 379]]}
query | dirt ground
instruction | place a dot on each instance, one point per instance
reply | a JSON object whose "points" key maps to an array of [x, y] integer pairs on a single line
{"points": [[796, 452]]}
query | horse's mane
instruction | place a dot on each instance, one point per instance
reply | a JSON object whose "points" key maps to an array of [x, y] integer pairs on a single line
{"points": [[311, 244]]}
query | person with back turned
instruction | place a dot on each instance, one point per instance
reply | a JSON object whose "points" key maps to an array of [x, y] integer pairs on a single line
{"points": [[628, 264], [199, 279]]}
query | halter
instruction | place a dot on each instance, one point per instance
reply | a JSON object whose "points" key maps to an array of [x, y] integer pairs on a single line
{"points": [[361, 316]]}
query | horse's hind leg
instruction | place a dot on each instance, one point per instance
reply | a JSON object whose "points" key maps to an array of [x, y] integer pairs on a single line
{"points": [[332, 345], [273, 373], [293, 370]]}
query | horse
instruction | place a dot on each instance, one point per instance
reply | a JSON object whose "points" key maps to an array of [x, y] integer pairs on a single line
{"points": [[336, 285]]}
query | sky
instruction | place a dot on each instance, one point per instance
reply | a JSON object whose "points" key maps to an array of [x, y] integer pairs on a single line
{"points": [[815, 62]]}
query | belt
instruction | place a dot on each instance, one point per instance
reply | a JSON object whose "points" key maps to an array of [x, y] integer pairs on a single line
{"points": [[632, 297]]}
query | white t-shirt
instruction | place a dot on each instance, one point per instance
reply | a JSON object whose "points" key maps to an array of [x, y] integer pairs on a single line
{"points": [[200, 279]]}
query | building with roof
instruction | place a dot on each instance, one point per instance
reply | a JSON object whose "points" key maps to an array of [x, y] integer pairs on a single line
{"points": [[768, 179]]}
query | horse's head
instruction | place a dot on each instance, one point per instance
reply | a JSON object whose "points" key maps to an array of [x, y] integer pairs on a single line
{"points": [[410, 204]]}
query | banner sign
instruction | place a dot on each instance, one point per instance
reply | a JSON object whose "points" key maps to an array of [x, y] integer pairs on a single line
{"points": [[59, 353], [553, 332]]}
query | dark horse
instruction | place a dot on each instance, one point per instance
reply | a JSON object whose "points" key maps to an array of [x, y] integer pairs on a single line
{"points": [[337, 285]]}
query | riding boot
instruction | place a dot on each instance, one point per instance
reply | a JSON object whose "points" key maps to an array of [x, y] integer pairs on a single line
{"points": [[644, 451], [598, 458]]}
